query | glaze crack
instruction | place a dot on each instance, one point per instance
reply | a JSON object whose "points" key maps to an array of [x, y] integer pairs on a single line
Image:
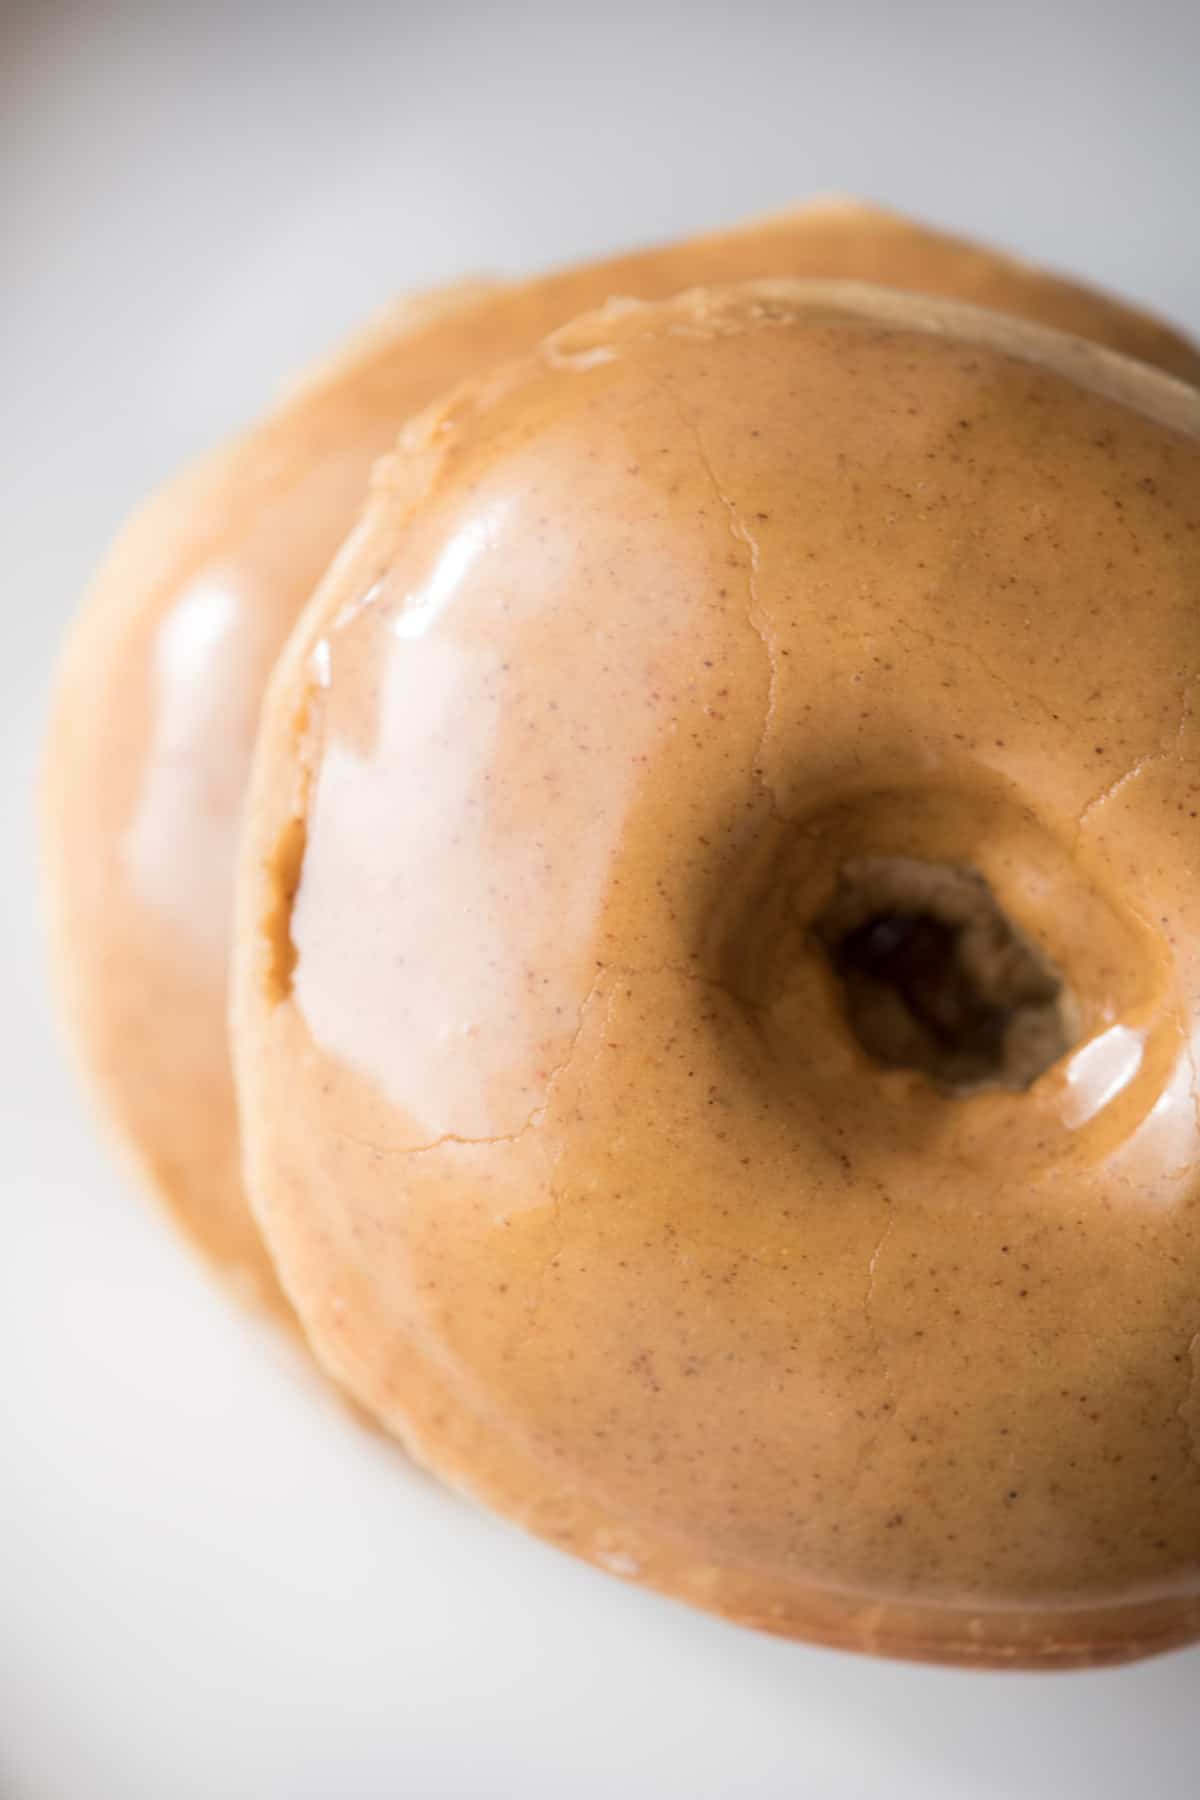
{"points": [[1185, 713], [741, 534], [611, 972], [533, 1117], [1189, 1406], [285, 865], [1170, 752], [1189, 1050], [281, 952], [889, 1409], [937, 641], [868, 1308], [539, 1281], [1113, 788], [438, 1143]]}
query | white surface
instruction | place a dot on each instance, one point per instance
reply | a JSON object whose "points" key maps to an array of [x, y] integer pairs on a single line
{"points": [[212, 1585]]}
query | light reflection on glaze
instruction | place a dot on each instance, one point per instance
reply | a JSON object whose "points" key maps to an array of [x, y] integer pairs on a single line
{"points": [[462, 551], [322, 664], [426, 851], [1100, 1071], [369, 1004], [1170, 1131], [187, 813]]}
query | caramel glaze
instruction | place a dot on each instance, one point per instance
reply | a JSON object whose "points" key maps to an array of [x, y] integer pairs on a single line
{"points": [[159, 692], [568, 1159]]}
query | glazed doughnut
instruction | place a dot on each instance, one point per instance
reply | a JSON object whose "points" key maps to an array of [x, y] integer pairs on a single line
{"points": [[158, 696], [718, 962]]}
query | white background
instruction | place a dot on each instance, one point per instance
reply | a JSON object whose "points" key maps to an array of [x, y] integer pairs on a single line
{"points": [[212, 1587]]}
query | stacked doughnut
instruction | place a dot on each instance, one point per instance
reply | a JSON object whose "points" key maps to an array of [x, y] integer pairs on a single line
{"points": [[627, 862]]}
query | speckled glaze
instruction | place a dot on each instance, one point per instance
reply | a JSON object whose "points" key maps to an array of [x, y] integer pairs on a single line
{"points": [[159, 692], [567, 1158]]}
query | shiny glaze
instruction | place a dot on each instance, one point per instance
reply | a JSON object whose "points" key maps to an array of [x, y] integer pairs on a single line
{"points": [[158, 697], [569, 1162]]}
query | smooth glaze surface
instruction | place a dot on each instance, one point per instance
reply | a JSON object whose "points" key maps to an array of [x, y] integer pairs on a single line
{"points": [[568, 1160], [158, 696]]}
